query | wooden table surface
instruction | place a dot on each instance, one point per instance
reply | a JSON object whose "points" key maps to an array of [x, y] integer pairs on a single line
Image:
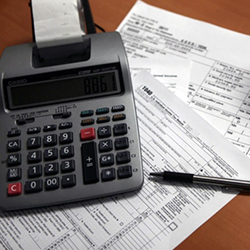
{"points": [[230, 227]]}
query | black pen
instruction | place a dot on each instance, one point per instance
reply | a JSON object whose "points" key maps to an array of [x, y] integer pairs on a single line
{"points": [[226, 183]]}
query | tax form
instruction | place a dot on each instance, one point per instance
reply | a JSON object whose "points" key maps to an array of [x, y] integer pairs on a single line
{"points": [[219, 87], [160, 215], [172, 72]]}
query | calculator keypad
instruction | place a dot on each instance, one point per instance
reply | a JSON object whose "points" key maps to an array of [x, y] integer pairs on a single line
{"points": [[104, 149]]}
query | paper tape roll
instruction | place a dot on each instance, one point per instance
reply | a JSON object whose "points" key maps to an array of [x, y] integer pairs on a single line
{"points": [[57, 22]]}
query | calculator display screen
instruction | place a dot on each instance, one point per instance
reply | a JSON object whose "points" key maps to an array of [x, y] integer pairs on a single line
{"points": [[66, 89]]}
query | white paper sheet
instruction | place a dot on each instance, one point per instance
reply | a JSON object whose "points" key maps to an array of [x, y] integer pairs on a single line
{"points": [[219, 87], [171, 71], [158, 216]]}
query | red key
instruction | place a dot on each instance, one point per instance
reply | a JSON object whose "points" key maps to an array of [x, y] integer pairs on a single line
{"points": [[87, 134], [14, 189]]}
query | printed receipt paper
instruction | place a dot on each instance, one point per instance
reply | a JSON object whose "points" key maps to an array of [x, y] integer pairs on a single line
{"points": [[57, 22]]}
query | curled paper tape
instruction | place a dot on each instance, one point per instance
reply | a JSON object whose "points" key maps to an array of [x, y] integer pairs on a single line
{"points": [[57, 22]]}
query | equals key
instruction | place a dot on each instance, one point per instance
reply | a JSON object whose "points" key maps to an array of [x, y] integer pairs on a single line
{"points": [[89, 163]]}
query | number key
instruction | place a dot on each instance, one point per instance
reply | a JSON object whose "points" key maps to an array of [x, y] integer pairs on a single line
{"points": [[50, 140], [52, 183], [67, 151], [35, 171], [68, 166], [50, 154], [33, 186], [66, 137], [34, 142], [34, 156], [51, 168]]}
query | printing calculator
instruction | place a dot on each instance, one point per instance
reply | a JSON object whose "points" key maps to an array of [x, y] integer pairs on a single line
{"points": [[68, 126]]}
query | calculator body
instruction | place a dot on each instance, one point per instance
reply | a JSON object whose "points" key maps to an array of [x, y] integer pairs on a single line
{"points": [[68, 132]]}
